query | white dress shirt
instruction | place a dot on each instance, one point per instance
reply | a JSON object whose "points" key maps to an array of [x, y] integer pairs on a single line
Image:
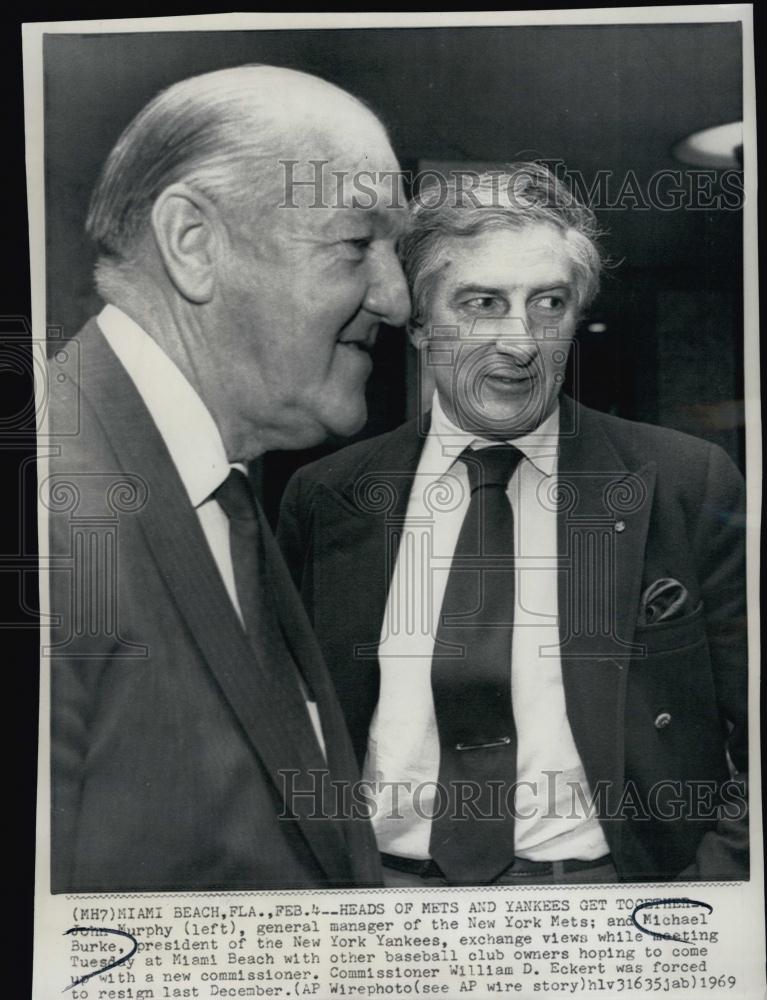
{"points": [[190, 435], [403, 744]]}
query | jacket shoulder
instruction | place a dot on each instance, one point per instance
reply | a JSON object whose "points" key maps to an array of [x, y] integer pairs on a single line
{"points": [[639, 442], [337, 469]]}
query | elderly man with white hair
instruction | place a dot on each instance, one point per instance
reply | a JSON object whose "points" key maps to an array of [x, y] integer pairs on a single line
{"points": [[195, 731]]}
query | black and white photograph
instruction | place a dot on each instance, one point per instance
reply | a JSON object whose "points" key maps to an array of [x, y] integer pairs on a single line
{"points": [[398, 500]]}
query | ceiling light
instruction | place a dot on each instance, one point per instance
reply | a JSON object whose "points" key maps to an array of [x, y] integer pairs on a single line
{"points": [[720, 146]]}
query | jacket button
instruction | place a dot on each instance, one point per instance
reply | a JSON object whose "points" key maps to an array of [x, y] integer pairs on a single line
{"points": [[663, 720], [620, 526]]}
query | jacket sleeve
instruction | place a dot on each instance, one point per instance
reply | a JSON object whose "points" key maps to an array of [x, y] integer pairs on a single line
{"points": [[720, 546], [75, 683]]}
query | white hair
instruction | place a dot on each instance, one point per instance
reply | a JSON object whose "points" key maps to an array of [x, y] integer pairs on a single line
{"points": [[523, 194], [216, 132]]}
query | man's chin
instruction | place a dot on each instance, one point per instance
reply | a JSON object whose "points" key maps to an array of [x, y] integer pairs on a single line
{"points": [[499, 409], [339, 425], [350, 423], [501, 423]]}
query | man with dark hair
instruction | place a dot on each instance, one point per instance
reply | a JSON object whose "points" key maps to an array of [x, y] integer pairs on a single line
{"points": [[542, 650], [188, 695]]}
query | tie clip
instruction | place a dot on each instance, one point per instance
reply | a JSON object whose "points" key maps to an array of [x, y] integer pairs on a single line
{"points": [[502, 742]]}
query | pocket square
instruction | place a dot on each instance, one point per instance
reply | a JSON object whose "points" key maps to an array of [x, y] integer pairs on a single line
{"points": [[665, 599]]}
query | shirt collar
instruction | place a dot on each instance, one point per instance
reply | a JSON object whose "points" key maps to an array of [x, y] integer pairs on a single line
{"points": [[184, 422], [539, 446]]}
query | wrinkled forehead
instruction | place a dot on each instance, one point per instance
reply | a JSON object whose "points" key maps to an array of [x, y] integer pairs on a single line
{"points": [[366, 183], [332, 159], [326, 198], [507, 257]]}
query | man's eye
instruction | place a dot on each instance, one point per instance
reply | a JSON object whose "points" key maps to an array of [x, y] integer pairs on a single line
{"points": [[358, 244], [484, 303], [549, 303]]}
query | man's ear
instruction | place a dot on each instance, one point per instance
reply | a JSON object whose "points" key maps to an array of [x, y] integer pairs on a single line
{"points": [[185, 226]]}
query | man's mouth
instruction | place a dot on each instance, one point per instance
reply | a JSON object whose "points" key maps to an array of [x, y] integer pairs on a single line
{"points": [[359, 345], [511, 376], [364, 344]]}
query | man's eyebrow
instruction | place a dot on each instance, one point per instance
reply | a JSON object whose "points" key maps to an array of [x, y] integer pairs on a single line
{"points": [[477, 290], [391, 222], [553, 286], [549, 286], [386, 224]]}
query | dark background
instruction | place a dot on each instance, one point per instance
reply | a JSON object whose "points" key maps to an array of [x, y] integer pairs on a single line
{"points": [[613, 98]]}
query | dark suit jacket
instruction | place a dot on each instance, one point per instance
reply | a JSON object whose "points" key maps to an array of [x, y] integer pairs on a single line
{"points": [[654, 709], [172, 746]]}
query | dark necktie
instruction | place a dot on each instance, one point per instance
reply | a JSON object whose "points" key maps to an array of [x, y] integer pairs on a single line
{"points": [[471, 682], [255, 598]]}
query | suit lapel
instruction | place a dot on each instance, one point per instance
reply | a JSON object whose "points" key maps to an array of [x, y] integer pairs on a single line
{"points": [[303, 645], [603, 519], [377, 495], [355, 542], [281, 737]]}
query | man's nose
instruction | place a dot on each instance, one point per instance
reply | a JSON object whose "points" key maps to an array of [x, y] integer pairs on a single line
{"points": [[387, 295], [514, 340]]}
